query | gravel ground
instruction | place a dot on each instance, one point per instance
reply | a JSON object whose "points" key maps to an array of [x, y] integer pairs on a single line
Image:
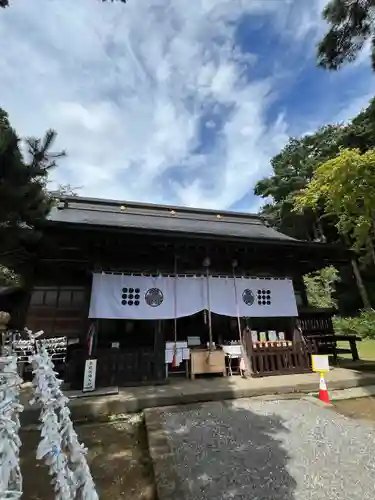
{"points": [[279, 450]]}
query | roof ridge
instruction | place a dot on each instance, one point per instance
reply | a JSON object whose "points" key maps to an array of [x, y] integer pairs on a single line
{"points": [[142, 205]]}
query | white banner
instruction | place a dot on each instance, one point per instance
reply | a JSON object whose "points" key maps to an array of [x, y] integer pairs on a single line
{"points": [[252, 297], [144, 297]]}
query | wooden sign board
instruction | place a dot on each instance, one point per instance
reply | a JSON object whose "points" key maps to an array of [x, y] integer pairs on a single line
{"points": [[320, 363], [90, 375]]}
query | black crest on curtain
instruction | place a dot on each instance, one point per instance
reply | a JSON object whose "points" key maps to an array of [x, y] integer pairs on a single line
{"points": [[248, 297], [154, 297]]}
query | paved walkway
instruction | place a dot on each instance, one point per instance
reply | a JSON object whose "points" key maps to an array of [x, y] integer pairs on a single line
{"points": [[182, 391], [253, 449]]}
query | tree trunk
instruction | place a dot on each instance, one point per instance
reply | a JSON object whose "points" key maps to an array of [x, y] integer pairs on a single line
{"points": [[371, 243], [316, 236], [361, 287], [319, 227], [372, 251]]}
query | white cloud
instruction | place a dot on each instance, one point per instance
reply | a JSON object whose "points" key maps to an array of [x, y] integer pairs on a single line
{"points": [[127, 87]]}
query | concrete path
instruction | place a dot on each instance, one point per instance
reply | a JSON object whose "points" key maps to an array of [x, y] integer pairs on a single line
{"points": [[261, 450], [182, 391]]}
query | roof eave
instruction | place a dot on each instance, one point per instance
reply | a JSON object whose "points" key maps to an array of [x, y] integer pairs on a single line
{"points": [[194, 235]]}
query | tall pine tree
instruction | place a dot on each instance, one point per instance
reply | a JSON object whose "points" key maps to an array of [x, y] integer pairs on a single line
{"points": [[24, 200]]}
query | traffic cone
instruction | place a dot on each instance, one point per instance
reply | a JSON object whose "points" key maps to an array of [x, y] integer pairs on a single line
{"points": [[323, 391]]}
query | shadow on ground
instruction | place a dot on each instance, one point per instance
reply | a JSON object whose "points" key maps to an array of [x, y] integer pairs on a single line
{"points": [[239, 456], [361, 366], [118, 458]]}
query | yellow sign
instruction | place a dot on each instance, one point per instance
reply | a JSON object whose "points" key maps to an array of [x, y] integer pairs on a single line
{"points": [[320, 363]]}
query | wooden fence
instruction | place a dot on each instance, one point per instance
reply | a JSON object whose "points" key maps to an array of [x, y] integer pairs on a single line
{"points": [[278, 358], [118, 368]]}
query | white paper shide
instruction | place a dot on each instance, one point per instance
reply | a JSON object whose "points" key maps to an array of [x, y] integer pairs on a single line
{"points": [[10, 443], [59, 446]]}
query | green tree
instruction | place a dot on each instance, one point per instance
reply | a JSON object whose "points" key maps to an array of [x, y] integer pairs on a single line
{"points": [[320, 287], [24, 200], [292, 170], [360, 133], [345, 186], [352, 23]]}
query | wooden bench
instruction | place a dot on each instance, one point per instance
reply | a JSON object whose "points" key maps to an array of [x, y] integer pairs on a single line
{"points": [[317, 325], [327, 344]]}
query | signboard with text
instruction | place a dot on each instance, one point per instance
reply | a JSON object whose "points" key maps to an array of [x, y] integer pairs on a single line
{"points": [[90, 375]]}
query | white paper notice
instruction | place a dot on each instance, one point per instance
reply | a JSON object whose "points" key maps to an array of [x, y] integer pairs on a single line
{"points": [[254, 336], [272, 336], [320, 363], [186, 353], [90, 375]]}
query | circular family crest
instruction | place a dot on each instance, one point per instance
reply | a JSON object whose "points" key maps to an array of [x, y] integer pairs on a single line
{"points": [[154, 297], [248, 297]]}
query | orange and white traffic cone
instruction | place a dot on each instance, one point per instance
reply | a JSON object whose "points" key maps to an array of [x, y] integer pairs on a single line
{"points": [[323, 391]]}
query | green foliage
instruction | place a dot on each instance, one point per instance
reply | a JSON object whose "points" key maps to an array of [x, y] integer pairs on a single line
{"points": [[293, 168], [361, 131], [351, 25], [345, 186], [362, 325], [320, 287]]}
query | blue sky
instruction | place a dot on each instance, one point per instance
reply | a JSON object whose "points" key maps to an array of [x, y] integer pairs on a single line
{"points": [[172, 101]]}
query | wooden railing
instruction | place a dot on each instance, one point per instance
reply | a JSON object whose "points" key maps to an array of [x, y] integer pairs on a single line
{"points": [[278, 358], [117, 367]]}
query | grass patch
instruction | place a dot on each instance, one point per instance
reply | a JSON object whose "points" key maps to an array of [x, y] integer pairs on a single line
{"points": [[366, 350]]}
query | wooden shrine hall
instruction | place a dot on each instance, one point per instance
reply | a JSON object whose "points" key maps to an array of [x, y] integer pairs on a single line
{"points": [[151, 290]]}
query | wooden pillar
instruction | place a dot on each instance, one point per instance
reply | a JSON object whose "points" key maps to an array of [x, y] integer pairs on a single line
{"points": [[299, 285], [159, 351]]}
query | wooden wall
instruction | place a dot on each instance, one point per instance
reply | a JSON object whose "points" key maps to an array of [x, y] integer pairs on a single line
{"points": [[58, 310]]}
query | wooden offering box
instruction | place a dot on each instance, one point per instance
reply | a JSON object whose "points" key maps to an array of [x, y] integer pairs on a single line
{"points": [[206, 361]]}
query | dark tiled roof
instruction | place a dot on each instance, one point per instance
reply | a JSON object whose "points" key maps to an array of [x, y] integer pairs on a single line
{"points": [[129, 215]]}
